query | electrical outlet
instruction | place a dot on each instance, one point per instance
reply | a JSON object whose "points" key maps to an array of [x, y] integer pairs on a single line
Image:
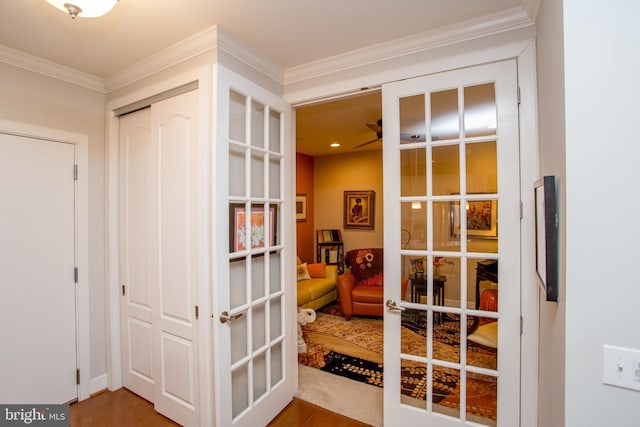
{"points": [[622, 367]]}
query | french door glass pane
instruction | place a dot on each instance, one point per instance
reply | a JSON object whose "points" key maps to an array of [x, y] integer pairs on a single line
{"points": [[257, 124], [445, 122], [257, 277], [480, 110], [237, 117], [240, 389], [412, 119], [237, 164], [482, 167], [257, 175], [274, 132], [274, 177], [258, 321], [414, 172], [238, 279], [446, 170]]}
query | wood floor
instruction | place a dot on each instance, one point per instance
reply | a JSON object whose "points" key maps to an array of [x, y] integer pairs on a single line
{"points": [[123, 408]]}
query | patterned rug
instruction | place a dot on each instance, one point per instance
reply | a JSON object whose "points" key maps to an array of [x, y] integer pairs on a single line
{"points": [[354, 350]]}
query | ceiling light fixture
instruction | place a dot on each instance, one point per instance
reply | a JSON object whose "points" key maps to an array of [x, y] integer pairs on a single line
{"points": [[334, 145], [84, 8]]}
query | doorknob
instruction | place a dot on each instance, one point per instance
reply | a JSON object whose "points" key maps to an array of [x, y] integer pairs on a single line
{"points": [[224, 317], [392, 305]]}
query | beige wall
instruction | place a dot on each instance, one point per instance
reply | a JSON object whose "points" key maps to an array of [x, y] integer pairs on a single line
{"points": [[35, 99], [348, 172]]}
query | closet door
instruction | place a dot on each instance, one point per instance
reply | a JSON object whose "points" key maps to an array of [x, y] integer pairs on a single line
{"points": [[159, 189], [174, 256], [136, 306]]}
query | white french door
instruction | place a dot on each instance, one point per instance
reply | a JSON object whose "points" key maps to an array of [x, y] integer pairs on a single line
{"points": [[254, 299], [452, 216]]}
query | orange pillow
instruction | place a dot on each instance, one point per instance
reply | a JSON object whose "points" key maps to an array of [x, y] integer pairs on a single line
{"points": [[317, 270]]}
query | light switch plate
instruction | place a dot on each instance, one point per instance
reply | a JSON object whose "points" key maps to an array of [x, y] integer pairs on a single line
{"points": [[622, 367]]}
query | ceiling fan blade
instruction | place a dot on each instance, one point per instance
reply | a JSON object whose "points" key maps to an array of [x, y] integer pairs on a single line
{"points": [[375, 128], [367, 143]]}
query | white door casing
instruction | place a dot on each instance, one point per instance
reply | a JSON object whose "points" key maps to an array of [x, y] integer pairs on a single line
{"points": [[506, 199], [255, 364], [38, 257]]}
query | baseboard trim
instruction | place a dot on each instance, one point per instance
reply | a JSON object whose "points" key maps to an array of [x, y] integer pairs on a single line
{"points": [[98, 384]]}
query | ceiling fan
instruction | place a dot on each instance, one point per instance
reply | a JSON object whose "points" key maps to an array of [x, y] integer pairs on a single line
{"points": [[377, 128]]}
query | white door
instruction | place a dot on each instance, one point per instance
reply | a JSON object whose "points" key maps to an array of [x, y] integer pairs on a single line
{"points": [[160, 189], [174, 260], [255, 360], [452, 214], [135, 254], [37, 260]]}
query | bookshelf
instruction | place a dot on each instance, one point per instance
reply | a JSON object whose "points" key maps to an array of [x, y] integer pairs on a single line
{"points": [[330, 248]]}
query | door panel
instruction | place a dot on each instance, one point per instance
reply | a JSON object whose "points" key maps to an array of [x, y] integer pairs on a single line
{"points": [[135, 262], [255, 300], [451, 154], [37, 259], [174, 256]]}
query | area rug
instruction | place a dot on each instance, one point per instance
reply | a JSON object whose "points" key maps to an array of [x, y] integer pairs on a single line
{"points": [[354, 350]]}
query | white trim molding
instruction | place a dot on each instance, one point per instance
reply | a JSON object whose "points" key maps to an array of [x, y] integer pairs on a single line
{"points": [[209, 40], [472, 29], [42, 66]]}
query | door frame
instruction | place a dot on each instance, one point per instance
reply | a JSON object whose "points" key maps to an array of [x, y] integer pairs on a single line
{"points": [[524, 52], [81, 148], [203, 76]]}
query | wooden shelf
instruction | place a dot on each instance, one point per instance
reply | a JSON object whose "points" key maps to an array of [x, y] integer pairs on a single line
{"points": [[330, 248]]}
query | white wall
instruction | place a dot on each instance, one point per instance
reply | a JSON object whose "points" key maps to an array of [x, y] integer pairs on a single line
{"points": [[551, 353], [39, 100], [602, 67]]}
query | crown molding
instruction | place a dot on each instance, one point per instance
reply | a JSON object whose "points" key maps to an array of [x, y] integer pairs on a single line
{"points": [[50, 69], [209, 40], [472, 29]]}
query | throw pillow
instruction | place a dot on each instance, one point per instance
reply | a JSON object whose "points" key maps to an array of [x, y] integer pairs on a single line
{"points": [[317, 270], [303, 273]]}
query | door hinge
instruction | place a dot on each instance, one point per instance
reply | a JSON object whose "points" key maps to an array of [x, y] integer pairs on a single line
{"points": [[75, 275], [521, 210], [521, 325], [197, 312], [123, 291], [519, 98], [75, 172], [77, 376]]}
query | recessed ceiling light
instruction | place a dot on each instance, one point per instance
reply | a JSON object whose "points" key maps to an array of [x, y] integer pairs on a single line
{"points": [[334, 144]]}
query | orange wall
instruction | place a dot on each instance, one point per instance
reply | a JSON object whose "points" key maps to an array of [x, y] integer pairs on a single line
{"points": [[305, 240]]}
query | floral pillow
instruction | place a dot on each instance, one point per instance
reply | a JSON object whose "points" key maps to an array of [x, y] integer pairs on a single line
{"points": [[303, 272], [366, 264]]}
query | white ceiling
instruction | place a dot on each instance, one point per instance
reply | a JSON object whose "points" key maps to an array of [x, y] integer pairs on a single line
{"points": [[288, 32]]}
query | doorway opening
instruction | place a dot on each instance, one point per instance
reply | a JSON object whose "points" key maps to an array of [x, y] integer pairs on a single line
{"points": [[338, 150]]}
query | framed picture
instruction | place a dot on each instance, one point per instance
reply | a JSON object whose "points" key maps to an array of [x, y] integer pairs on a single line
{"points": [[359, 209], [256, 235], [481, 218], [301, 207], [547, 236]]}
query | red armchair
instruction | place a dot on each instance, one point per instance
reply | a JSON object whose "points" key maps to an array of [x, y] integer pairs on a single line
{"points": [[360, 289]]}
